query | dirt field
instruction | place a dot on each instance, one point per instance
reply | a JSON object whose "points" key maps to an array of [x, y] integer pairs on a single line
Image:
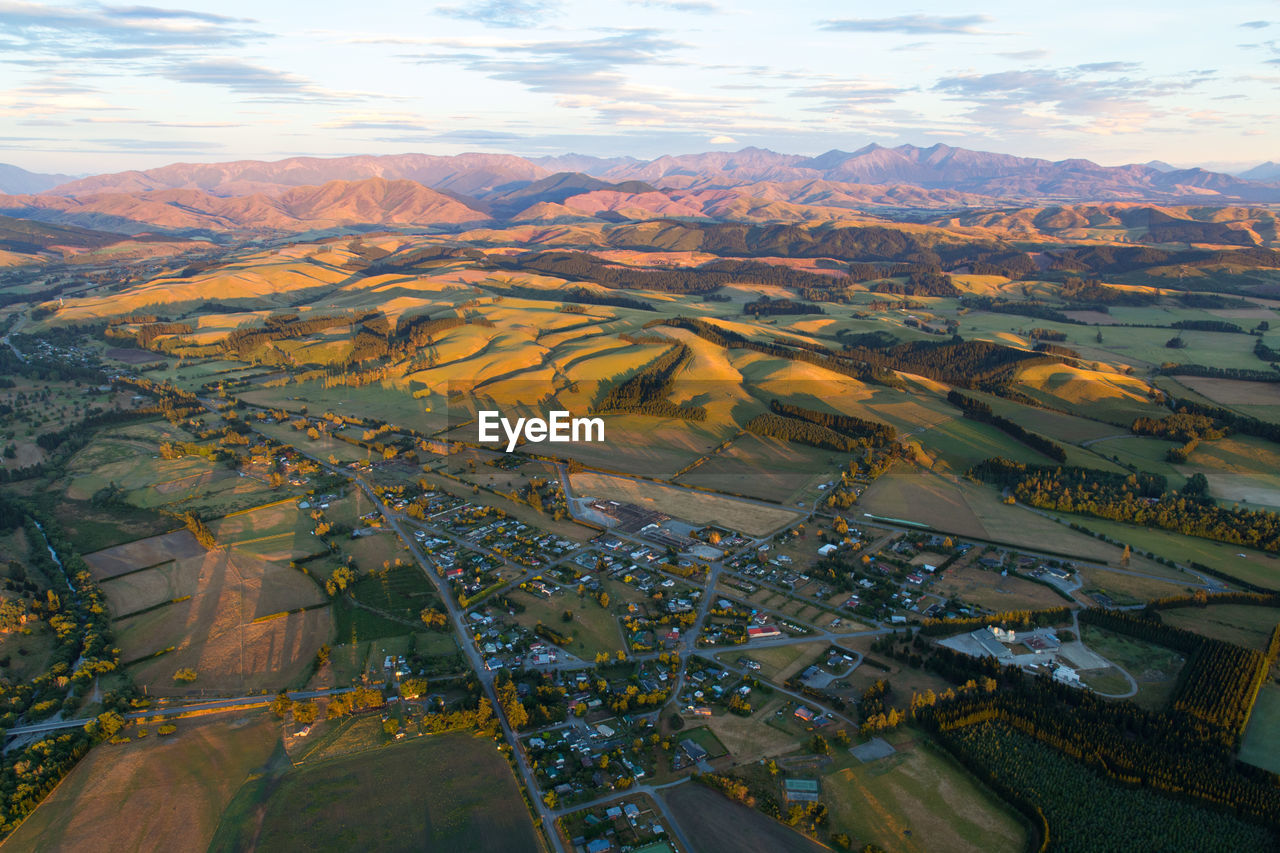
{"points": [[715, 824], [213, 630], [157, 793], [692, 506]]}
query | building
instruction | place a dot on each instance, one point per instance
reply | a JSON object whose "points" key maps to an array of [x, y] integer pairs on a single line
{"points": [[804, 714], [763, 632], [827, 549]]}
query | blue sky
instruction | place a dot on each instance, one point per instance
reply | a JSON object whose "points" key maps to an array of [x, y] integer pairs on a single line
{"points": [[92, 87]]}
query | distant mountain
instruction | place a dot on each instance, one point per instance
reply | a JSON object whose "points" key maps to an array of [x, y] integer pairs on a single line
{"points": [[583, 163], [15, 180], [1160, 166], [467, 174], [553, 189], [1268, 171], [375, 201], [754, 184], [1006, 176], [502, 180]]}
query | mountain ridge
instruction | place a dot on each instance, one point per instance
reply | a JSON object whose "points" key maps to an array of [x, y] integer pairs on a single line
{"points": [[937, 167]]}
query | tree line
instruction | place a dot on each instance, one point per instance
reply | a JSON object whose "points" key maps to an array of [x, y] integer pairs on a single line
{"points": [[1138, 498], [646, 393], [980, 411]]}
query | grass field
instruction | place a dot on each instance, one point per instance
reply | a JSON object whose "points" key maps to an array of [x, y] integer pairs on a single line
{"points": [[705, 738], [917, 800], [593, 629], [406, 796], [765, 468], [990, 590], [780, 662], [278, 531], [1155, 668], [1255, 566], [750, 738], [1239, 469], [1261, 746], [1235, 623], [696, 507], [715, 824], [154, 793], [1128, 589], [230, 623], [972, 509]]}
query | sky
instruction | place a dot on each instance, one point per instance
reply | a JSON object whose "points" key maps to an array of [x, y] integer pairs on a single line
{"points": [[99, 87]]}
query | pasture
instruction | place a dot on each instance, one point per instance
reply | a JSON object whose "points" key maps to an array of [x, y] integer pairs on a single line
{"points": [[172, 788], [1261, 746], [593, 628], [1248, 565], [715, 824], [917, 800], [693, 506], [238, 621], [989, 589], [418, 786], [1235, 623]]}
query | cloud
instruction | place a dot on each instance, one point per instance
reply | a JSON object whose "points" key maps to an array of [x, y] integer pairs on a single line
{"points": [[912, 24], [1033, 53], [722, 140], [246, 78], [1062, 99], [1256, 25], [503, 13], [116, 32], [589, 67], [696, 7], [1092, 67]]}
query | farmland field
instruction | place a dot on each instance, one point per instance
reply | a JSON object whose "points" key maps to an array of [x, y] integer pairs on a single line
{"points": [[227, 620], [1252, 566], [171, 787], [992, 591], [917, 800], [1261, 746], [715, 824], [1236, 623], [324, 805], [696, 507]]}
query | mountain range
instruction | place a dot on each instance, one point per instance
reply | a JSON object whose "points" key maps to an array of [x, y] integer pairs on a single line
{"points": [[418, 190]]}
